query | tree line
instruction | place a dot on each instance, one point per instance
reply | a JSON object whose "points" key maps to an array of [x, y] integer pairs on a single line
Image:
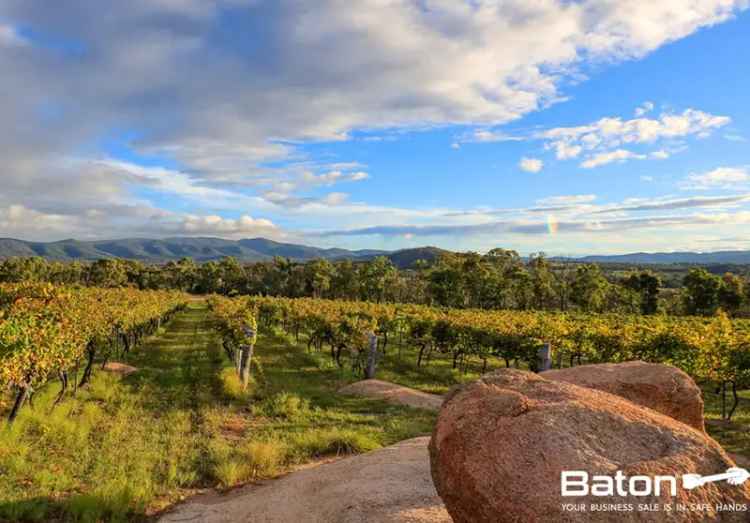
{"points": [[500, 279]]}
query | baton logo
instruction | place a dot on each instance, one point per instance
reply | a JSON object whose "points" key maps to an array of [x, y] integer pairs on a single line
{"points": [[575, 483]]}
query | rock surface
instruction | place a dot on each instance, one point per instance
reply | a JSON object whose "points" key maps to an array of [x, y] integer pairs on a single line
{"points": [[394, 394], [392, 484], [663, 388], [502, 442]]}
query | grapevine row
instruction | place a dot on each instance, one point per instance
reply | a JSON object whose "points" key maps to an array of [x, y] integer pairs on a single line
{"points": [[713, 349], [238, 328], [46, 331]]}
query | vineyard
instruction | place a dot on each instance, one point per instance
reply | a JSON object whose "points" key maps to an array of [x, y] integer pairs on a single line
{"points": [[47, 332], [229, 390], [715, 349]]}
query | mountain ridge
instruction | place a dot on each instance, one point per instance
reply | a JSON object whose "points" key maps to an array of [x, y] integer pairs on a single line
{"points": [[204, 249], [201, 249]]}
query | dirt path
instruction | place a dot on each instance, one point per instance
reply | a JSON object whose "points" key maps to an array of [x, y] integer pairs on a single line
{"points": [[392, 484]]}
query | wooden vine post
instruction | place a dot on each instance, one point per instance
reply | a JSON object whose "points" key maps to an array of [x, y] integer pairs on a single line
{"points": [[246, 355], [544, 357], [372, 357]]}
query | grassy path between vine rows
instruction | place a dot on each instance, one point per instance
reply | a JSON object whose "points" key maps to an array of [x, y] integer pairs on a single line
{"points": [[121, 445], [125, 448]]}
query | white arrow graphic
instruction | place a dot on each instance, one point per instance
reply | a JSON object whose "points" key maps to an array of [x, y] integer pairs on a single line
{"points": [[733, 476]]}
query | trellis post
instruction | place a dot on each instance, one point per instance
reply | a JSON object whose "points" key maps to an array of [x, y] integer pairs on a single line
{"points": [[372, 357], [544, 357]]}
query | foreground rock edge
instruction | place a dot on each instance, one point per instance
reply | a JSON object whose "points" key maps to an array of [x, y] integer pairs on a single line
{"points": [[501, 443]]}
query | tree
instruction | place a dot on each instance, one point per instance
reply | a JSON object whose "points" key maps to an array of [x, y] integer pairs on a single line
{"points": [[731, 293], [563, 279], [208, 281], [108, 273], [446, 282], [589, 288], [505, 264], [318, 275], [182, 274], [701, 292], [474, 272], [647, 285], [274, 279], [231, 275], [541, 281], [23, 269], [345, 281], [376, 276], [522, 287]]}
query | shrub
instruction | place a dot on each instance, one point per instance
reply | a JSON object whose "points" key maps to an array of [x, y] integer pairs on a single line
{"points": [[263, 457]]}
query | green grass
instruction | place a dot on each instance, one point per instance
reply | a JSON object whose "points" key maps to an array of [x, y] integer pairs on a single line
{"points": [[733, 435], [436, 375], [123, 448], [120, 446], [298, 407]]}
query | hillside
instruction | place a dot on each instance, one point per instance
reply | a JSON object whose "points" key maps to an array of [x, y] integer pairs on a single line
{"points": [[200, 249], [694, 258]]}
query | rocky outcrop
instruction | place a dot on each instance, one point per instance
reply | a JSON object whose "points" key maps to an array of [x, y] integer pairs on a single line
{"points": [[501, 444], [663, 388]]}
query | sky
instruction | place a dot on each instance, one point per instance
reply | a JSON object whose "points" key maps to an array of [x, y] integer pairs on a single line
{"points": [[563, 126]]}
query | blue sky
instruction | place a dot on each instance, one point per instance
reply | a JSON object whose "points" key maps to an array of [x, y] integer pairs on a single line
{"points": [[564, 127]]}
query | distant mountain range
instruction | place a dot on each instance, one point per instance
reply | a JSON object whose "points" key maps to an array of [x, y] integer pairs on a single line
{"points": [[261, 249], [200, 249], [661, 258]]}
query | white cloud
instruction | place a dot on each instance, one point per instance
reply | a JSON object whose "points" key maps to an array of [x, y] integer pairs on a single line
{"points": [[174, 182], [216, 225], [488, 136], [661, 154], [435, 66], [567, 200], [671, 223], [332, 177], [307, 203], [662, 204], [566, 151], [531, 165], [644, 108], [721, 178], [9, 37], [603, 139], [335, 198], [19, 218], [618, 155]]}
